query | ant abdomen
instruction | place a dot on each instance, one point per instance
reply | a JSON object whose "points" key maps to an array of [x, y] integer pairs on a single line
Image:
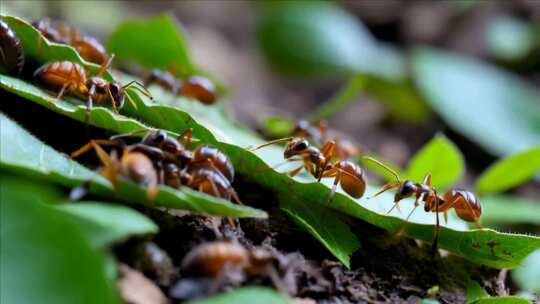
{"points": [[353, 179], [12, 56], [209, 259], [467, 205]]}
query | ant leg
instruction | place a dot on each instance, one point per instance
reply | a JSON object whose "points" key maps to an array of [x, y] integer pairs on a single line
{"points": [[268, 143], [90, 145], [427, 180], [296, 171], [389, 186], [435, 243], [416, 204], [152, 190], [89, 104], [234, 196], [187, 136], [275, 279], [62, 91], [327, 151], [334, 187], [104, 66]]}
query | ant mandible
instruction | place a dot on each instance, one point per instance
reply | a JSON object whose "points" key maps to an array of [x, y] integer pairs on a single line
{"points": [[319, 163], [466, 204], [69, 78]]}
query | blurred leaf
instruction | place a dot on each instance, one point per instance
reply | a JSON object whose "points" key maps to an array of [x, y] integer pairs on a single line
{"points": [[246, 295], [105, 224], [162, 34], [333, 233], [504, 209], [441, 158], [42, 252], [314, 38], [278, 127], [509, 38], [493, 108], [502, 300], [527, 276], [20, 156], [510, 172], [474, 291]]}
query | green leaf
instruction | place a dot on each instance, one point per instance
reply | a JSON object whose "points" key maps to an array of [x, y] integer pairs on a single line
{"points": [[527, 276], [441, 158], [491, 107], [505, 209], [277, 127], [474, 291], [42, 251], [333, 233], [20, 156], [502, 300], [509, 38], [106, 224], [510, 172], [245, 295], [314, 38], [140, 41]]}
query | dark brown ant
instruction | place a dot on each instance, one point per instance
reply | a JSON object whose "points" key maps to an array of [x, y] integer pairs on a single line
{"points": [[11, 51], [318, 133], [88, 47], [465, 203], [215, 259], [69, 78], [133, 165], [196, 87], [319, 163]]}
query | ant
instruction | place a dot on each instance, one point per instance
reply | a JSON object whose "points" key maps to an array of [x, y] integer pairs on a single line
{"points": [[11, 52], [466, 204], [318, 133], [88, 47], [133, 165], [218, 258], [319, 164], [196, 87], [69, 78]]}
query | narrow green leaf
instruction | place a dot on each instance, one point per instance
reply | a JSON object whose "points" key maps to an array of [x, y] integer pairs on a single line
{"points": [[347, 94], [502, 300], [495, 109], [527, 276], [441, 158], [505, 209], [42, 251], [510, 172], [246, 295], [328, 228], [140, 41], [105, 224], [20, 156]]}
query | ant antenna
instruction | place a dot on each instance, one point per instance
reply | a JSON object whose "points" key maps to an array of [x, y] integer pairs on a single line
{"points": [[128, 134], [105, 66], [392, 171], [251, 149], [141, 88], [131, 101]]}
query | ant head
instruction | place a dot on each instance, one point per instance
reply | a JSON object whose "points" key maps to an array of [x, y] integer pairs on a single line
{"points": [[407, 189], [155, 138], [296, 146], [117, 94]]}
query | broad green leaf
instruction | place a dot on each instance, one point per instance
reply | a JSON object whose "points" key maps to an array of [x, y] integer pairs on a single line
{"points": [[441, 158], [527, 276], [105, 224], [510, 172], [42, 251], [474, 291], [20, 156], [247, 295], [495, 109], [277, 127], [505, 209], [324, 225], [162, 34]]}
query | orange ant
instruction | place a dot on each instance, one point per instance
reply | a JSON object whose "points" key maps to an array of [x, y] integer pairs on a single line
{"points": [[133, 165], [69, 78], [465, 203], [319, 164], [318, 133], [215, 259], [11, 52], [196, 87], [88, 47]]}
